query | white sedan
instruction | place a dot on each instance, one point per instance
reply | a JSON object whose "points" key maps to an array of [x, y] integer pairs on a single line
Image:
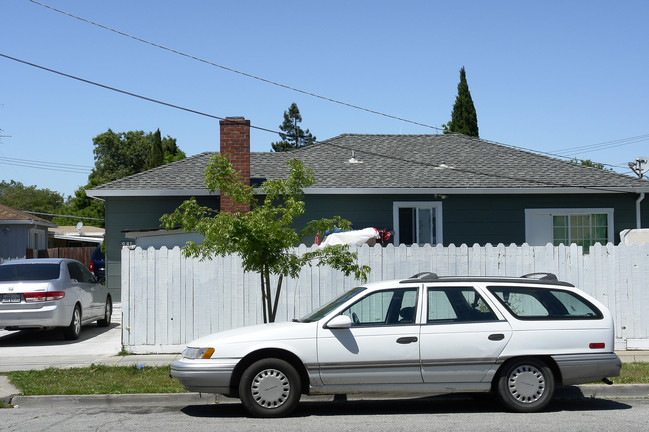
{"points": [[54, 292], [516, 337]]}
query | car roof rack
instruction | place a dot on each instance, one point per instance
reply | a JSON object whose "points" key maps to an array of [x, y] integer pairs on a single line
{"points": [[541, 276], [421, 277]]}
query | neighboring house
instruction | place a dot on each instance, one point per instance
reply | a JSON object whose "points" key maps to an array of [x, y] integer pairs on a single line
{"points": [[75, 236], [426, 189], [21, 234]]}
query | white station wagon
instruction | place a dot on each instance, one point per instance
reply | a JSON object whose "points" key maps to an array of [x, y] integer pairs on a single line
{"points": [[516, 337]]}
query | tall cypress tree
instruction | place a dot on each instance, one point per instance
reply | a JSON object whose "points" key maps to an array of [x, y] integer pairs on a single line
{"points": [[464, 118], [292, 134], [156, 157]]}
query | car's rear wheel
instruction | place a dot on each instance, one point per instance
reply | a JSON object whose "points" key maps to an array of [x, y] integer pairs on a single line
{"points": [[526, 385], [72, 331], [108, 313], [270, 388]]}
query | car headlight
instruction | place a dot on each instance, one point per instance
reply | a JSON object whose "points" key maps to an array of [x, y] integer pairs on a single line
{"points": [[198, 353]]}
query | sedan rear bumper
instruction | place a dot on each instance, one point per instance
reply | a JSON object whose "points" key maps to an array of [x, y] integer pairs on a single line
{"points": [[34, 316], [204, 376], [587, 368]]}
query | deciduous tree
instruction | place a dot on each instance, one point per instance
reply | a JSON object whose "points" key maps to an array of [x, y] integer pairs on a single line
{"points": [[118, 155], [263, 237], [29, 198]]}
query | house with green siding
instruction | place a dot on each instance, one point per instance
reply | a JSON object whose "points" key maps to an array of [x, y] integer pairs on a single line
{"points": [[424, 189]]}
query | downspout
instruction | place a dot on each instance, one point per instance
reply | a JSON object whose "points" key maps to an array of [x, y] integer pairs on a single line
{"points": [[637, 210]]}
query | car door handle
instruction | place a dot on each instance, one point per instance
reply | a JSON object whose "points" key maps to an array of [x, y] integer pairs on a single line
{"points": [[407, 340], [496, 337]]}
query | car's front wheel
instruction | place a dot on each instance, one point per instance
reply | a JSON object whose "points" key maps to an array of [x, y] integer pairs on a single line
{"points": [[526, 385], [270, 388]]}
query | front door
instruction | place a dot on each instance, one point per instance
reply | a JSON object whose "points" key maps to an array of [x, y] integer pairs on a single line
{"points": [[382, 345]]}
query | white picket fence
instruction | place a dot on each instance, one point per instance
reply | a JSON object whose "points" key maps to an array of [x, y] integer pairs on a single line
{"points": [[169, 300]]}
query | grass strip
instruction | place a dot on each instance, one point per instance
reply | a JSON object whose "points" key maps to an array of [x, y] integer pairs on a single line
{"points": [[100, 379], [633, 373], [95, 379]]}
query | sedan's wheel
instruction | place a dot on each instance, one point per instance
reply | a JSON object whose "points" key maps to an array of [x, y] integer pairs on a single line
{"points": [[526, 385], [270, 388], [108, 313], [73, 331]]}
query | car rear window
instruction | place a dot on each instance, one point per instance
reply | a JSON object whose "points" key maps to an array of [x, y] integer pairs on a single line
{"points": [[532, 303], [28, 272]]}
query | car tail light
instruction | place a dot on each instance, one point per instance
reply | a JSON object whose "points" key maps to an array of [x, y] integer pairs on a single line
{"points": [[597, 345], [32, 297], [92, 266]]}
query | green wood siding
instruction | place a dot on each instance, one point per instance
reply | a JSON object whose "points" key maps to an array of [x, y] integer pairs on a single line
{"points": [[467, 219], [135, 213]]}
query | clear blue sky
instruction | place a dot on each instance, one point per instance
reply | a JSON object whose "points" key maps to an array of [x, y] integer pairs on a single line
{"points": [[544, 75]]}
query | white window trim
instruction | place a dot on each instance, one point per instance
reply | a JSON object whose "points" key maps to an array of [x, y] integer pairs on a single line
{"points": [[437, 205], [37, 239], [566, 212]]}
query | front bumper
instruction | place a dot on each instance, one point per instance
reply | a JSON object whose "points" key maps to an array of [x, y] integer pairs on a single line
{"points": [[587, 368], [204, 375]]}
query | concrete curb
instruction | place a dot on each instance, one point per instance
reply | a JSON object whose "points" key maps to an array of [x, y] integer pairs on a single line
{"points": [[620, 391]]}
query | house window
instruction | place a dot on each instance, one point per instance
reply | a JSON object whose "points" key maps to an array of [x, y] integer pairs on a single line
{"points": [[37, 240], [584, 227], [417, 223]]}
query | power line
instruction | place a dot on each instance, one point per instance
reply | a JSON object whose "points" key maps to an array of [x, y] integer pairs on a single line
{"points": [[63, 216], [292, 88], [51, 166], [547, 183], [237, 71], [607, 144], [124, 91]]}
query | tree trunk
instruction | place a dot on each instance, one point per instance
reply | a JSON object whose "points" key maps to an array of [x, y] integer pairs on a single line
{"points": [[273, 313], [263, 297]]}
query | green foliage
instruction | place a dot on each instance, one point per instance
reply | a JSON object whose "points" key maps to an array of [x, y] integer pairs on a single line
{"points": [[156, 157], [590, 163], [118, 155], [263, 237], [292, 134], [84, 207], [29, 198], [464, 118]]}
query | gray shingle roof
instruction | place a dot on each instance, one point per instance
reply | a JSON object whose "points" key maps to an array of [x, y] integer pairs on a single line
{"points": [[449, 162]]}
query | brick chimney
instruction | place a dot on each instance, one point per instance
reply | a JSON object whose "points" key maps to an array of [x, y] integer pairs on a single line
{"points": [[235, 144]]}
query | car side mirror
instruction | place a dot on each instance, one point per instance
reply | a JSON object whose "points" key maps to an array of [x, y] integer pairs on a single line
{"points": [[340, 322]]}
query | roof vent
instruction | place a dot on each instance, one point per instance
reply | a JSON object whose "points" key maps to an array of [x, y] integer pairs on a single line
{"points": [[353, 160]]}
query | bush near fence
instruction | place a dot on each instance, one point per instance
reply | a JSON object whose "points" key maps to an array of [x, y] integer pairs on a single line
{"points": [[169, 300]]}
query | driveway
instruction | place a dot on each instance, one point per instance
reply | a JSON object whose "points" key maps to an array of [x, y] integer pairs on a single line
{"points": [[42, 348]]}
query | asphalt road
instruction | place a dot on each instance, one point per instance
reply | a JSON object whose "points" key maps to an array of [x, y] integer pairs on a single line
{"points": [[482, 414]]}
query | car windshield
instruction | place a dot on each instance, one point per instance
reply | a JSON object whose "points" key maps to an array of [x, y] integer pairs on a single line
{"points": [[324, 310], [29, 272]]}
